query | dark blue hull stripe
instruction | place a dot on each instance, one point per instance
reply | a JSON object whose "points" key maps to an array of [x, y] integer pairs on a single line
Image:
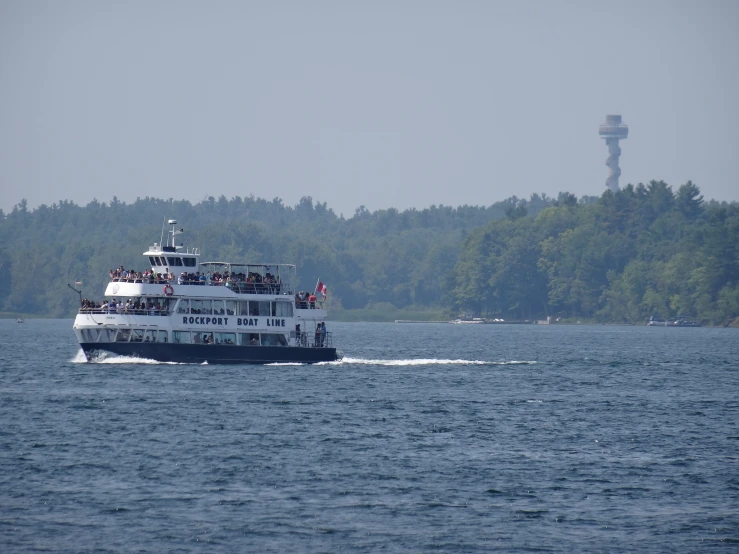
{"points": [[211, 353]]}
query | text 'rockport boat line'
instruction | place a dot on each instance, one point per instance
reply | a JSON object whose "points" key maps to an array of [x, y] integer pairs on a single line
{"points": [[215, 312]]}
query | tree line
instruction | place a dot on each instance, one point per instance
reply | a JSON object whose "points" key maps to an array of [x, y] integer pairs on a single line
{"points": [[644, 250], [620, 257]]}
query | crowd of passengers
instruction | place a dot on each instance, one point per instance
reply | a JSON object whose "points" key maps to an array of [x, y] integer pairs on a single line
{"points": [[122, 275], [251, 282], [242, 282], [305, 300], [132, 306]]}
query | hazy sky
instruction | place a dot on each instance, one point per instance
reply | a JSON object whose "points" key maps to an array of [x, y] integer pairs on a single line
{"points": [[381, 103]]}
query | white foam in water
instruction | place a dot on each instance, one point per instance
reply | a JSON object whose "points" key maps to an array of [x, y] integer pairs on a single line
{"points": [[421, 361], [80, 358], [113, 359], [129, 360]]}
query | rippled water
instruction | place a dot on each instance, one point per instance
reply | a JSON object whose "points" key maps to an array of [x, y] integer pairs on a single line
{"points": [[457, 438]]}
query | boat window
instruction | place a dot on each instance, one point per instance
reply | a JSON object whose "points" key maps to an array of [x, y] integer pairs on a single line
{"points": [[183, 307], [249, 339], [150, 336], [273, 339], [243, 307], [230, 307], [174, 261], [189, 262], [259, 307], [162, 261], [137, 335], [225, 338], [206, 307], [283, 309], [166, 305], [202, 338], [162, 336], [89, 335], [123, 335], [107, 335], [196, 306], [182, 337], [218, 307], [153, 260]]}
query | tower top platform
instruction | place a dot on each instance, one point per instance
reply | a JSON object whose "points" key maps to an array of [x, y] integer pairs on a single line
{"points": [[613, 128]]}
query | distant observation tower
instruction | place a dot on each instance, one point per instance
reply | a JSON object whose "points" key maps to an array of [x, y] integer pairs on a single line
{"points": [[613, 131]]}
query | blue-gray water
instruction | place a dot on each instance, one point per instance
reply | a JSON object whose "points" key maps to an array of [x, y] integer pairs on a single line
{"points": [[455, 438]]}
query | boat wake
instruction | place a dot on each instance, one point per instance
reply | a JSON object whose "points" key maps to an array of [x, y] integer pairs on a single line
{"points": [[79, 358], [423, 361], [115, 359]]}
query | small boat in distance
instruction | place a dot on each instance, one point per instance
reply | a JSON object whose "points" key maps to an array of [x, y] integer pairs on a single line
{"points": [[214, 312], [679, 321], [467, 319], [20, 320]]}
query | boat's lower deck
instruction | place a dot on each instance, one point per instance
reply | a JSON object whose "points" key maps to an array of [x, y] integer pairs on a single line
{"points": [[210, 353]]}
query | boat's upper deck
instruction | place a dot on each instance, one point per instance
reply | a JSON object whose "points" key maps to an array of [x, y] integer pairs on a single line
{"points": [[276, 279], [172, 265]]}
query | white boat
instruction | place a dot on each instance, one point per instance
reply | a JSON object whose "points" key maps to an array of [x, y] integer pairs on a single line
{"points": [[467, 321], [214, 312], [20, 320]]}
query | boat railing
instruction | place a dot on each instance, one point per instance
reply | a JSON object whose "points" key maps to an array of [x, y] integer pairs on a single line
{"points": [[123, 311], [313, 340], [236, 286], [151, 281], [251, 288]]}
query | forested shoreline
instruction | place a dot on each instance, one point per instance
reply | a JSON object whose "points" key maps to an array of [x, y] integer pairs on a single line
{"points": [[619, 258]]}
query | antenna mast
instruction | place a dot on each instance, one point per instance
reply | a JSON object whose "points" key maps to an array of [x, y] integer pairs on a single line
{"points": [[161, 239]]}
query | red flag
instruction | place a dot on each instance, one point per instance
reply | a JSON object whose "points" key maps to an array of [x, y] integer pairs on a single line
{"points": [[320, 287]]}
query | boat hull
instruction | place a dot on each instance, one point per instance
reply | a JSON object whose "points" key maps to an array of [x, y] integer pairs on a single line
{"points": [[210, 353]]}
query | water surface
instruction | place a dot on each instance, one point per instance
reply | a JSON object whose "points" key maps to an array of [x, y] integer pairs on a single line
{"points": [[427, 437]]}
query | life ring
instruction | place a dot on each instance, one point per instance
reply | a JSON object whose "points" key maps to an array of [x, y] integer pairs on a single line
{"points": [[168, 290]]}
